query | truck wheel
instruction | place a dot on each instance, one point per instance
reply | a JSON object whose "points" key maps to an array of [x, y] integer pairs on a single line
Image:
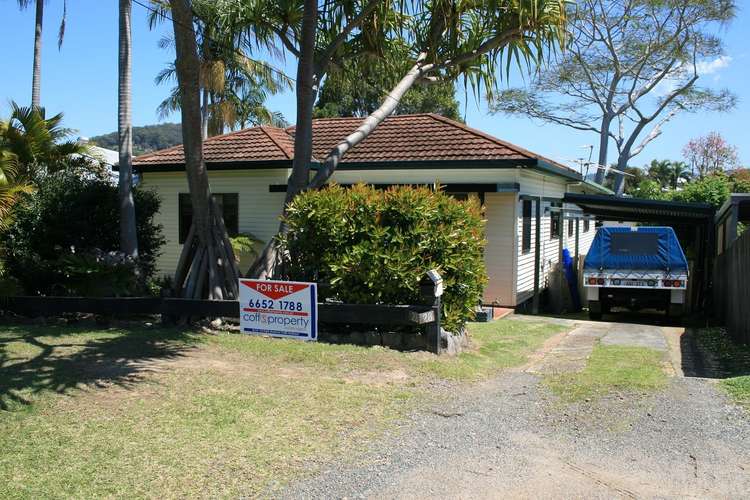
{"points": [[674, 310], [595, 310]]}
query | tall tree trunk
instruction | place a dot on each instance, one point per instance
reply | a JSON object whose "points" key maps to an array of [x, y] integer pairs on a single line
{"points": [[603, 150], [206, 266], [622, 163], [266, 266], [389, 105], [204, 115], [36, 77], [128, 238]]}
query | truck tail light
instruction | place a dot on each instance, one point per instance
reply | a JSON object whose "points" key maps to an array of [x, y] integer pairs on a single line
{"points": [[600, 281], [668, 283], [592, 281], [677, 283]]}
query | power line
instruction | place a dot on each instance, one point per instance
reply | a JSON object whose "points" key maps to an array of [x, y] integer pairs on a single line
{"points": [[220, 44]]}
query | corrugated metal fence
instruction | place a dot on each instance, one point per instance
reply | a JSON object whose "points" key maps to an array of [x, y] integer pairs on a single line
{"points": [[731, 288]]}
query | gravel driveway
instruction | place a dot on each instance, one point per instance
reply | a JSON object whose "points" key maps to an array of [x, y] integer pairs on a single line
{"points": [[509, 437]]}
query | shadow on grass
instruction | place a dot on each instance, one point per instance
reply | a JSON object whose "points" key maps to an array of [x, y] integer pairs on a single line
{"points": [[58, 359]]}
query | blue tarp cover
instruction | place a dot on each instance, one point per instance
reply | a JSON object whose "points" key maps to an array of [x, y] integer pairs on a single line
{"points": [[642, 249]]}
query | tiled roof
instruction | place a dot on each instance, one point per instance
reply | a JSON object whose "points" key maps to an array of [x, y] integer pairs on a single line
{"points": [[411, 138], [400, 138], [250, 144]]}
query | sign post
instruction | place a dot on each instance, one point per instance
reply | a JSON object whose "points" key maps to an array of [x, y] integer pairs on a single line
{"points": [[279, 308]]}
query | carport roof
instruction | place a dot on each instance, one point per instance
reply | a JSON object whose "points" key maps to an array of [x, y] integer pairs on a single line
{"points": [[641, 210]]}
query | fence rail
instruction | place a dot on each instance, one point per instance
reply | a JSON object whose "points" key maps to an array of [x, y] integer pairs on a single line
{"points": [[328, 313], [731, 288]]}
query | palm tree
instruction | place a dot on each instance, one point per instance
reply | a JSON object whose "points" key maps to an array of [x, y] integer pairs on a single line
{"points": [[36, 78], [661, 172], [207, 265], [11, 186], [234, 87], [128, 237], [679, 170], [39, 144]]}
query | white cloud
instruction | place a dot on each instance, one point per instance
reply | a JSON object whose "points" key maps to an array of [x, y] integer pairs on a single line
{"points": [[704, 68], [714, 66]]}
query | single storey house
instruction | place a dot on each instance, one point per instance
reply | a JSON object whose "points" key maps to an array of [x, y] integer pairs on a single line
{"points": [[527, 224]]}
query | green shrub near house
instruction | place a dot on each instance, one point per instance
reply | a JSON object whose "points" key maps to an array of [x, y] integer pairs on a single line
{"points": [[64, 239], [373, 246]]}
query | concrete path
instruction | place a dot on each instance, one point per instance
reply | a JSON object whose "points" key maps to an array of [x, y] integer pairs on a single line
{"points": [[511, 438], [571, 353]]}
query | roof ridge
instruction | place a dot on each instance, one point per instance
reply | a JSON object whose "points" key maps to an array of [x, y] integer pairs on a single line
{"points": [[501, 142], [286, 152], [483, 135]]}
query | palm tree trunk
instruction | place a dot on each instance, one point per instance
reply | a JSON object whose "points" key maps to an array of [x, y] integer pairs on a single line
{"points": [[206, 266], [36, 77], [128, 238]]}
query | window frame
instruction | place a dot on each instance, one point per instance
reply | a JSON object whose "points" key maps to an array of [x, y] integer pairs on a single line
{"points": [[555, 221], [526, 226]]}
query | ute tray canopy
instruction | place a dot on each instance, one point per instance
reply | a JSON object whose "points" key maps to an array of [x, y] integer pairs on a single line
{"points": [[641, 248]]}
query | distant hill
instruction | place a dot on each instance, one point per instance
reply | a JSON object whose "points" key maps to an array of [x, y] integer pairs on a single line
{"points": [[145, 139]]}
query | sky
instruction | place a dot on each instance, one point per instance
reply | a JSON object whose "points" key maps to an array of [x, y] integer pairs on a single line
{"points": [[80, 80]]}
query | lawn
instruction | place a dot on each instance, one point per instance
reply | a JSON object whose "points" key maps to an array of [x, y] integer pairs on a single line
{"points": [[151, 412], [612, 369]]}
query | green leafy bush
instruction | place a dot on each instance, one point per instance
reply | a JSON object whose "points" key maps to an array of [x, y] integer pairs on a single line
{"points": [[712, 189], [374, 246], [63, 231]]}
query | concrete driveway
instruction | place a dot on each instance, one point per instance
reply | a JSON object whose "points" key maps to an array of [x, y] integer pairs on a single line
{"points": [[511, 438]]}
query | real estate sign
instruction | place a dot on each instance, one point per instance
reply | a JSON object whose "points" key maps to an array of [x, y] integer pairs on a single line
{"points": [[279, 308]]}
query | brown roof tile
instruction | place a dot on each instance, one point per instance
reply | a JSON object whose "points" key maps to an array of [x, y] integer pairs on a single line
{"points": [[250, 144], [401, 138]]}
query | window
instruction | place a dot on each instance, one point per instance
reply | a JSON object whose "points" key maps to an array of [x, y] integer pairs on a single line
{"points": [[526, 227], [632, 243], [228, 203], [555, 216], [586, 225], [570, 228]]}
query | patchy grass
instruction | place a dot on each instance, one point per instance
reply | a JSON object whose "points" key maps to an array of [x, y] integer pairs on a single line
{"points": [[612, 369], [733, 360], [169, 413]]}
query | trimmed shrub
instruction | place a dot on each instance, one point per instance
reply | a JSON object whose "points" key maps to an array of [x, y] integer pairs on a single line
{"points": [[64, 239], [374, 246]]}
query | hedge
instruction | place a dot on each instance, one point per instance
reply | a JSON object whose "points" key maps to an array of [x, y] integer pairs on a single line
{"points": [[373, 246]]}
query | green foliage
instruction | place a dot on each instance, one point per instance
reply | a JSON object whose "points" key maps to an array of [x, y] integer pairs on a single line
{"points": [[245, 245], [360, 86], [374, 246], [648, 189], [97, 274], [38, 144], [145, 139], [712, 189], [67, 225]]}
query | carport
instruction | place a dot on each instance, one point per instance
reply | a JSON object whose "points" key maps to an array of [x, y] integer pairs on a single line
{"points": [[693, 223]]}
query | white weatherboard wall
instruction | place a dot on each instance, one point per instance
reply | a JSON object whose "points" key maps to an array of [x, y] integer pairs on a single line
{"points": [[259, 209], [499, 254]]}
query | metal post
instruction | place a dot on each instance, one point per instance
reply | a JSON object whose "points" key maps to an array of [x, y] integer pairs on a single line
{"points": [[537, 257], [431, 289]]}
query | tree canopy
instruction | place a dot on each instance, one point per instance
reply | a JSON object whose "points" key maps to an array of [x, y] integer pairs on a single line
{"points": [[631, 66]]}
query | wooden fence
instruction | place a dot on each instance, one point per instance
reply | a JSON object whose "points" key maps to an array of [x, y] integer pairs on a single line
{"points": [[172, 308], [731, 288]]}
